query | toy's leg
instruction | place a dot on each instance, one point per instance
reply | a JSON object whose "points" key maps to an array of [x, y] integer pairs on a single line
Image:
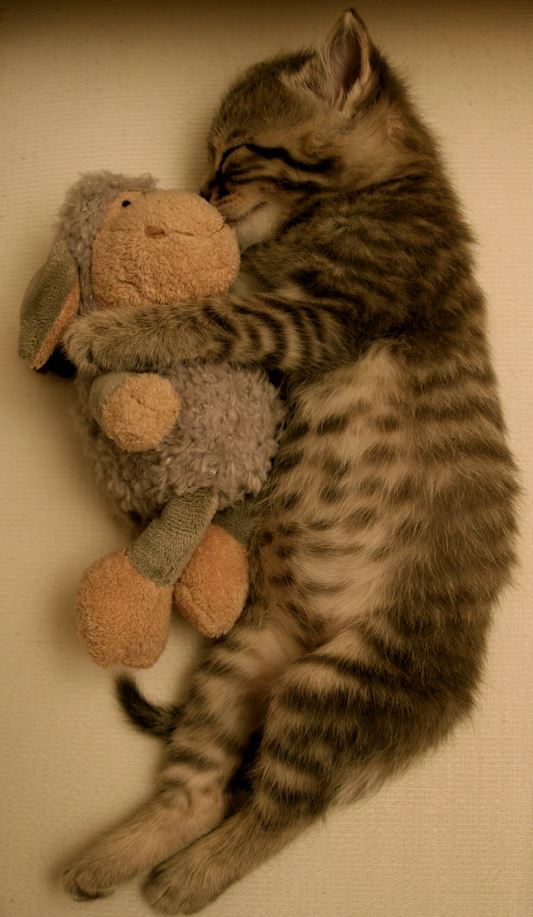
{"points": [[122, 617], [211, 592], [125, 599]]}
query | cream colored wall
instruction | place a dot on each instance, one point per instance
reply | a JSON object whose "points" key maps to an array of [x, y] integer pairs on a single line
{"points": [[131, 87]]}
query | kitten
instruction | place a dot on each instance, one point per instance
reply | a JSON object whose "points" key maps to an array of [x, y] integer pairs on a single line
{"points": [[387, 529]]}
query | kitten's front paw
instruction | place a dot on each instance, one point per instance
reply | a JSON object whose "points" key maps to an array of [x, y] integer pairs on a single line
{"points": [[77, 344], [104, 342]]}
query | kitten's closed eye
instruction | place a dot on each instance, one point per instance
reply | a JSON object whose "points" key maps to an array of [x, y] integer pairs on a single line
{"points": [[256, 186], [229, 169], [229, 152], [241, 188]]}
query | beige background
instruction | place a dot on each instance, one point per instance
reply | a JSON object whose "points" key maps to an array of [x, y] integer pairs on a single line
{"points": [[131, 88]]}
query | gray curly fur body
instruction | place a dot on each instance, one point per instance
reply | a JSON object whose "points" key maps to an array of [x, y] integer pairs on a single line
{"points": [[224, 439], [230, 417]]}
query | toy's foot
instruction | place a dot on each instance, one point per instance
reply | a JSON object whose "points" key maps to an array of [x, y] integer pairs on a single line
{"points": [[212, 589], [122, 617]]}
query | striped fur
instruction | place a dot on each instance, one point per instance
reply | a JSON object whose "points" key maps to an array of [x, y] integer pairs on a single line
{"points": [[388, 525]]}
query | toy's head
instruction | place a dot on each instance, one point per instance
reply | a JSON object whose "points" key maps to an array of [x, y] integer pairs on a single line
{"points": [[121, 242]]}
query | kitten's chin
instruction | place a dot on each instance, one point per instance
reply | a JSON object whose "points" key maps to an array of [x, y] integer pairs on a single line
{"points": [[256, 225]]}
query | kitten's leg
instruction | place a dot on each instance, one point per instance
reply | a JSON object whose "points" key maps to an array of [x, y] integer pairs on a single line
{"points": [[225, 705], [319, 746]]}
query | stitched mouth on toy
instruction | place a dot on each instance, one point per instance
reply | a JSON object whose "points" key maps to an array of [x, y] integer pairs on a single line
{"points": [[153, 232]]}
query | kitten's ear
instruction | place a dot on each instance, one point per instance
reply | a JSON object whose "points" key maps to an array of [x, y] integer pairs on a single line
{"points": [[340, 72], [346, 60]]}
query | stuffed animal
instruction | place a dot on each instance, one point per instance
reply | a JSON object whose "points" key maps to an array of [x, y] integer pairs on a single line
{"points": [[172, 450]]}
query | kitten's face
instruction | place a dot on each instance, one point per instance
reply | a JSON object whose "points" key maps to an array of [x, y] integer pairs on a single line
{"points": [[262, 155], [301, 125], [306, 124], [243, 191]]}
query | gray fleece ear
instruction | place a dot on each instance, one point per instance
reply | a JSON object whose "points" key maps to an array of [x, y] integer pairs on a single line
{"points": [[53, 296], [50, 303]]}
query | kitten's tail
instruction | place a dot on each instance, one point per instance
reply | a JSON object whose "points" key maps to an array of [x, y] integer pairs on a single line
{"points": [[159, 721]]}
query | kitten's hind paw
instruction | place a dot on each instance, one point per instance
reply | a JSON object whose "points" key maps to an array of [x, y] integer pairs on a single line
{"points": [[183, 884], [80, 884]]}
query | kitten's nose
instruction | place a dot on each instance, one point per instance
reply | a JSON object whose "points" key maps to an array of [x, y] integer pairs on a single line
{"points": [[212, 189]]}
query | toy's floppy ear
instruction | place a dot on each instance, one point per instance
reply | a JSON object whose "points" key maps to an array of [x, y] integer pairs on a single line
{"points": [[50, 303]]}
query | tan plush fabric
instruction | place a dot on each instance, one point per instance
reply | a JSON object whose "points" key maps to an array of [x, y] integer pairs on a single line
{"points": [[139, 413], [212, 589], [175, 245], [122, 617]]}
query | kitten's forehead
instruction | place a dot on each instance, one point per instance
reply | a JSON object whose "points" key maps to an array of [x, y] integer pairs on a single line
{"points": [[259, 101]]}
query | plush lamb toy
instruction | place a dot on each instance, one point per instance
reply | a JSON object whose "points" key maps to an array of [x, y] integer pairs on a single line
{"points": [[172, 450]]}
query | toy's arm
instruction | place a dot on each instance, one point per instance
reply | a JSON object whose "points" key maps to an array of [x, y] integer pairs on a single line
{"points": [[135, 410]]}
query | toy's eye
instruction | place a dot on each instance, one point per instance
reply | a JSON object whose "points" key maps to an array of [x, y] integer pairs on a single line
{"points": [[126, 203]]}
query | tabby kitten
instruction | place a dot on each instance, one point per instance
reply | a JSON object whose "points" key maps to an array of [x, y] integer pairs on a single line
{"points": [[388, 525]]}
